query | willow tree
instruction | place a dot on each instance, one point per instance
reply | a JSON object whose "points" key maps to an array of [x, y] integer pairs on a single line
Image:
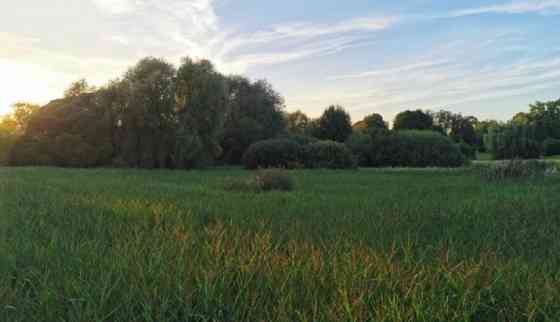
{"points": [[200, 107]]}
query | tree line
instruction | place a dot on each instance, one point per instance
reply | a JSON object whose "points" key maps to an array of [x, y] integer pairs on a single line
{"points": [[160, 116]]}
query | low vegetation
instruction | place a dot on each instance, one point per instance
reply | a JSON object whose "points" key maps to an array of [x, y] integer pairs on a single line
{"points": [[369, 245], [517, 170]]}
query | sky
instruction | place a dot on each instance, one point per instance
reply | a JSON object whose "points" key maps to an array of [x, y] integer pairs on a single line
{"points": [[488, 58]]}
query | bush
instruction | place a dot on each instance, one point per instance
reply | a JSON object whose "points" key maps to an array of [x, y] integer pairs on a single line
{"points": [[468, 150], [274, 179], [275, 153], [551, 147], [265, 180], [415, 149], [360, 144], [301, 139], [512, 142], [516, 169], [329, 155]]}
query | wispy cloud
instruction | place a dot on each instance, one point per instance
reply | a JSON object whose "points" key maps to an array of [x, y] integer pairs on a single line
{"points": [[179, 27], [423, 66], [514, 7]]}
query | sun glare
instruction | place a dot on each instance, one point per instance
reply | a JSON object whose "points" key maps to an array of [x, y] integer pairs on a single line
{"points": [[30, 83]]}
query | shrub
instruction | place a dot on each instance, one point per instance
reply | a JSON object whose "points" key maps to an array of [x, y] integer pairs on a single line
{"points": [[415, 149], [516, 169], [264, 180], [468, 150], [360, 144], [551, 147], [240, 184], [301, 139], [275, 153], [512, 142], [274, 179], [329, 155]]}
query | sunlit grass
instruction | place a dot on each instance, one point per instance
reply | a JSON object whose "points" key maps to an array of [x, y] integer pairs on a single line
{"points": [[367, 245]]}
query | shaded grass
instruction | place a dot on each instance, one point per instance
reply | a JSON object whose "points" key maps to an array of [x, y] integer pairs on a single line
{"points": [[377, 245]]}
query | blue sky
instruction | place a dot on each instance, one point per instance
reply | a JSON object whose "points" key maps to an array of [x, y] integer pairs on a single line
{"points": [[485, 58]]}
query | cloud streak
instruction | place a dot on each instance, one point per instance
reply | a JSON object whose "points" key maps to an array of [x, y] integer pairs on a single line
{"points": [[515, 7]]}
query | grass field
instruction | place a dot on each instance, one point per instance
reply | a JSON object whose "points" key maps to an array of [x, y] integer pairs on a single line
{"points": [[367, 245]]}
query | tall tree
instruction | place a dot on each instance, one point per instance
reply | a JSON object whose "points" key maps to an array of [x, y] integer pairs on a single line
{"points": [[297, 122], [335, 124], [456, 126], [254, 113], [21, 115], [149, 119], [201, 108], [413, 120], [78, 88]]}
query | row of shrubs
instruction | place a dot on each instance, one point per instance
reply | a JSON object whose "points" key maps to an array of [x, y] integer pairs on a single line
{"points": [[290, 154], [398, 149]]}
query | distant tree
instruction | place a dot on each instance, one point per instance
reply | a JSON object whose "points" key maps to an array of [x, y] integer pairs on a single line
{"points": [[78, 88], [201, 108], [334, 124], [456, 126], [413, 120], [521, 119], [148, 120], [510, 141], [254, 113], [21, 114], [545, 118], [375, 121], [297, 122]]}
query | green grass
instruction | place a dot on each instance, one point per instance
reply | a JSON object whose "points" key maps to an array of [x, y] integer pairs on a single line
{"points": [[368, 245]]}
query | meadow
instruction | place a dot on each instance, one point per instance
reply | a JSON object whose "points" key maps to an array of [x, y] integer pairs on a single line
{"points": [[365, 245]]}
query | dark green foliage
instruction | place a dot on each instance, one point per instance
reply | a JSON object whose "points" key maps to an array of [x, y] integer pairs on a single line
{"points": [[72, 151], [512, 141], [254, 113], [551, 147], [328, 155], [71, 132], [274, 153], [413, 120], [416, 149], [468, 150], [147, 119], [301, 139], [361, 145], [456, 126], [201, 107], [516, 169], [334, 125]]}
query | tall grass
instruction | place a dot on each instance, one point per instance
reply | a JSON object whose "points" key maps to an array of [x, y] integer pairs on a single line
{"points": [[127, 245]]}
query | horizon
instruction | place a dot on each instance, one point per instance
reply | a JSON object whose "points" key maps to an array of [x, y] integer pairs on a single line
{"points": [[489, 59]]}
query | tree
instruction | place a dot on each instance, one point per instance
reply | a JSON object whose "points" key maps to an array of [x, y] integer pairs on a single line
{"points": [[8, 130], [334, 124], [413, 120], [545, 118], [21, 114], [254, 113], [149, 119], [297, 123], [201, 108], [78, 88], [456, 126]]}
